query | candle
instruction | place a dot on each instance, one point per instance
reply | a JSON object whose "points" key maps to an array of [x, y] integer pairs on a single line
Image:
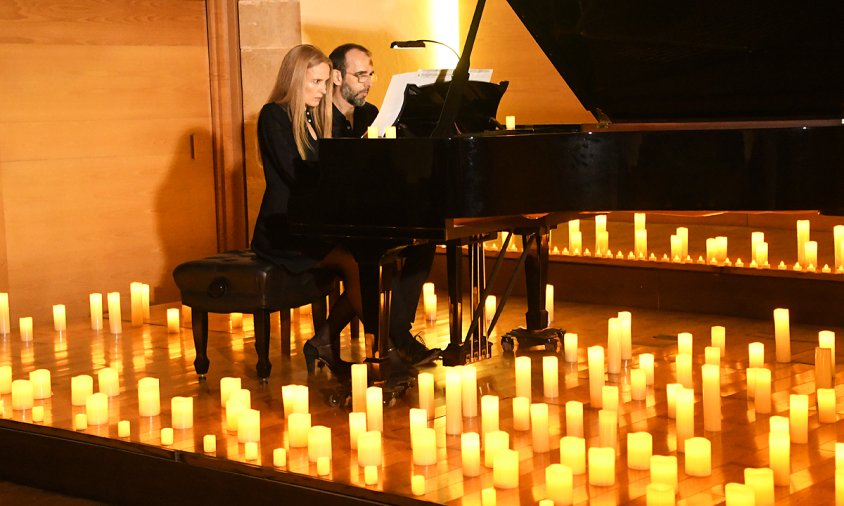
{"points": [[22, 397], [712, 355], [108, 381], [550, 376], [570, 347], [370, 475], [167, 436], [664, 470], [676, 248], [357, 426], [425, 384], [510, 122], [602, 242], [798, 415], [81, 387], [625, 328], [521, 413], [839, 455], [80, 421], [238, 403], [559, 484], [323, 466], [698, 456], [493, 443], [613, 346], [596, 374], [489, 309], [124, 428], [390, 132], [683, 365], [417, 484], [298, 425], [839, 487], [229, 385], [374, 409], [25, 325], [470, 453], [429, 300], [539, 427], [137, 303], [640, 247], [685, 417], [671, 390], [115, 326], [549, 302], [824, 375], [761, 480], [523, 377], [638, 385], [711, 397], [602, 467], [319, 442], [574, 418], [173, 320], [95, 301], [811, 254], [149, 397], [782, 335], [470, 391], [779, 457], [646, 363], [660, 494], [685, 343], [756, 354], [826, 405], [369, 448], [762, 391], [802, 238], [505, 469], [5, 379], [181, 413], [5, 325], [489, 413], [280, 457], [372, 132], [639, 450], [250, 452], [41, 388], [96, 409], [609, 397], [607, 428], [59, 318], [453, 401], [573, 453], [488, 497], [424, 447], [826, 339], [738, 494], [718, 338]]}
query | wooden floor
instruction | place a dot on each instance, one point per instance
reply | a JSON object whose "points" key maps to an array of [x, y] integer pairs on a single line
{"points": [[150, 351]]}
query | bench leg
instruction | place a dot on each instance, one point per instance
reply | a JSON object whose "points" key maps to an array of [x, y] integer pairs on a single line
{"points": [[199, 322], [262, 344], [284, 321]]}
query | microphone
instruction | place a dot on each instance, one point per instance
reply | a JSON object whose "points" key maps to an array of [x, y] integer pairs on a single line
{"points": [[406, 44]]}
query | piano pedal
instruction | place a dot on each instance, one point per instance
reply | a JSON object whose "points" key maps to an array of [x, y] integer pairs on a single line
{"points": [[549, 338]]}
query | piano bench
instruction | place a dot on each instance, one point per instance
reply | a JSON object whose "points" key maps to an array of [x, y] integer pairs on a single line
{"points": [[240, 282]]}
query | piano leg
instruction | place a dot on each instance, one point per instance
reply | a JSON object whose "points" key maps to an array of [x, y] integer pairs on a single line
{"points": [[453, 354]]}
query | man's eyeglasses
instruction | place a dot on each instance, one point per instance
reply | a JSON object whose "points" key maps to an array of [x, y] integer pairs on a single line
{"points": [[364, 76]]}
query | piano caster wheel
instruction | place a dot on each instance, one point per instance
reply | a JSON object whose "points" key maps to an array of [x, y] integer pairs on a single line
{"points": [[340, 398], [551, 345], [507, 344], [202, 378]]}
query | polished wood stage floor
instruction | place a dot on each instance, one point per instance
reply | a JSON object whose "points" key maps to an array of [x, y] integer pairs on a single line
{"points": [[151, 351]]}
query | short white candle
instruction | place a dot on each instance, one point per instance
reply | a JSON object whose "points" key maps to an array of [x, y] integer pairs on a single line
{"points": [[374, 408], [149, 397], [470, 391], [638, 385], [639, 450], [250, 451], [574, 418], [660, 494], [167, 436], [505, 469], [596, 374], [470, 453], [280, 457], [646, 363], [124, 428], [559, 484], [698, 456], [96, 409], [181, 412], [25, 325], [108, 381], [550, 376], [5, 379], [81, 387], [298, 425], [782, 335], [41, 386], [372, 132], [319, 443], [369, 448], [417, 484], [521, 413], [115, 325], [539, 427], [664, 470], [425, 385], [80, 421], [59, 317], [22, 398], [424, 447], [570, 347], [370, 475], [173, 320], [826, 405], [601, 466], [488, 497], [573, 453], [453, 401], [510, 122], [230, 384], [493, 443], [756, 354], [238, 403], [489, 413], [390, 132], [761, 480], [323, 466]]}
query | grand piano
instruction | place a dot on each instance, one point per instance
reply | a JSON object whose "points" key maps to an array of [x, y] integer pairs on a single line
{"points": [[701, 107]]}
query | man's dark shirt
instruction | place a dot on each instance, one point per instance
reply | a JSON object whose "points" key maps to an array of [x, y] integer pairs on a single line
{"points": [[363, 117]]}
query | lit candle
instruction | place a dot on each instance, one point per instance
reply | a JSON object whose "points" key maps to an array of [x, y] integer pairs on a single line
{"points": [[369, 448], [298, 425], [664, 470], [173, 320], [671, 390], [779, 457], [489, 309], [539, 427], [685, 343], [737, 494], [424, 447], [115, 326], [602, 467], [798, 415], [359, 385], [549, 302], [280, 457], [470, 391], [229, 385], [523, 377], [602, 236], [41, 388], [25, 325], [638, 385], [698, 456], [108, 381], [683, 234], [357, 426], [149, 397], [646, 363], [660, 494], [625, 328], [59, 317], [839, 487], [81, 387], [756, 354], [639, 450], [22, 397], [238, 402], [493, 443], [762, 391], [574, 418], [596, 374], [505, 469], [136, 299], [425, 384], [5, 325], [370, 475], [826, 405], [824, 375], [374, 409], [826, 339], [167, 436], [181, 413], [811, 254], [372, 132], [5, 379], [685, 417], [510, 122], [124, 428], [802, 238], [429, 300], [489, 413], [711, 397], [96, 409], [550, 376], [613, 346], [559, 484], [683, 366], [319, 442], [640, 247], [96, 309], [453, 401], [250, 451], [676, 248], [609, 397], [839, 455], [607, 428], [718, 337], [573, 453], [782, 335], [761, 480], [80, 421], [570, 347], [712, 355], [751, 381], [470, 453], [521, 413]]}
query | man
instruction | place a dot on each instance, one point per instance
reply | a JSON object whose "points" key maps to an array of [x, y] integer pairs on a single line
{"points": [[353, 76]]}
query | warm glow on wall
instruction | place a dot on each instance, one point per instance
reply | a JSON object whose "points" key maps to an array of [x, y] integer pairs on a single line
{"points": [[444, 21]]}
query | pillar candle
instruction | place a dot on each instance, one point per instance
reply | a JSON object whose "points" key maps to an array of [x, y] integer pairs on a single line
{"points": [[173, 320], [80, 421], [640, 244], [550, 376], [229, 385], [683, 365], [124, 428], [59, 317], [685, 417], [38, 414], [839, 487], [424, 447], [149, 397], [181, 413], [718, 338], [750, 372], [115, 325], [607, 428], [737, 494], [22, 397], [838, 249], [711, 397], [779, 457], [523, 377], [323, 466], [167, 436], [638, 385], [782, 335], [359, 384], [81, 387], [95, 301], [761, 480], [802, 237], [698, 456], [429, 301], [573, 453], [5, 324], [374, 409], [646, 363], [676, 248], [574, 418], [280, 457], [685, 343], [493, 443], [762, 391], [613, 346], [609, 397], [370, 475], [505, 469], [664, 470], [319, 442], [25, 325], [390, 132], [417, 484], [425, 384], [756, 354], [5, 379], [470, 391], [671, 390], [574, 232], [826, 405], [108, 381], [41, 387], [369, 448], [839, 455], [372, 132], [489, 308], [136, 299], [521, 413], [570, 347], [639, 450], [625, 328], [549, 302], [660, 494], [489, 414], [250, 453], [811, 254], [357, 426], [712, 355], [798, 415], [596, 374], [96, 409], [601, 466], [470, 453], [559, 484], [826, 339], [539, 427], [602, 242], [453, 401], [298, 425]]}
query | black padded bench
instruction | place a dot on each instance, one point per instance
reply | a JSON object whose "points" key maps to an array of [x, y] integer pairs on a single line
{"points": [[241, 282]]}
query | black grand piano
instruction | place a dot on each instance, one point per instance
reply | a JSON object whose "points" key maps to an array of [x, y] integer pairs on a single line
{"points": [[702, 106]]}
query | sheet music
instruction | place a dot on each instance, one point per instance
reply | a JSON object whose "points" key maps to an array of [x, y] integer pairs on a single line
{"points": [[391, 107]]}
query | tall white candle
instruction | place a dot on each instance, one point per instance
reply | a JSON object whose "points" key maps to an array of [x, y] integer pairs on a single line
{"points": [[489, 309], [613, 346], [570, 347], [25, 325], [824, 376], [798, 415], [826, 405], [374, 409], [683, 365], [95, 301], [640, 244], [115, 325], [550, 376], [523, 377], [596, 374], [470, 453], [137, 303], [811, 254], [671, 390], [5, 379], [521, 413], [357, 426], [549, 302], [145, 300], [762, 391], [489, 414], [782, 335], [359, 385], [573, 453], [625, 329], [574, 418], [574, 235], [425, 384], [711, 397], [803, 227], [685, 343], [779, 455], [453, 401], [505, 469], [607, 428], [59, 317], [756, 354], [5, 324], [639, 450], [718, 337]]}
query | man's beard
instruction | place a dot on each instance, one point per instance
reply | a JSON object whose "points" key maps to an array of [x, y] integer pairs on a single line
{"points": [[350, 97]]}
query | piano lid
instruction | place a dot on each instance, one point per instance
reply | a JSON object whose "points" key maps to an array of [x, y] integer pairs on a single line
{"points": [[717, 60]]}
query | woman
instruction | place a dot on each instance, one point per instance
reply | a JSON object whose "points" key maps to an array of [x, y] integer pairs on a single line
{"points": [[298, 113]]}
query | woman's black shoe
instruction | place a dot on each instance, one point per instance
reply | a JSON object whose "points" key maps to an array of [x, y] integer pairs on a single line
{"points": [[324, 354]]}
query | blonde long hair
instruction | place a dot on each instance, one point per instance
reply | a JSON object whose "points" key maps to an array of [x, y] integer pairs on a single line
{"points": [[289, 92]]}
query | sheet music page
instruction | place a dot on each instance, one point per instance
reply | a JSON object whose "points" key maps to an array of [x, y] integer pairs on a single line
{"points": [[393, 99]]}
